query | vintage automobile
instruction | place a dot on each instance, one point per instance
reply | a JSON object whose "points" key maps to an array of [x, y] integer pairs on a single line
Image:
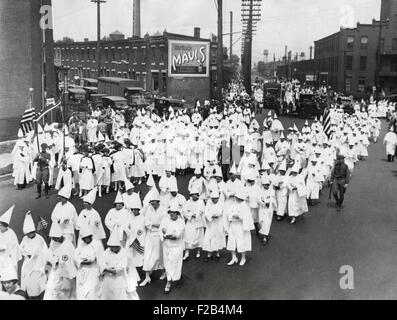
{"points": [[96, 100], [309, 106], [135, 97], [272, 97], [347, 104], [90, 91], [76, 94], [161, 105], [116, 103]]}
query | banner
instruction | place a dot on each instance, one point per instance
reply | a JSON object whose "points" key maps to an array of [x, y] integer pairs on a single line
{"points": [[188, 58]]}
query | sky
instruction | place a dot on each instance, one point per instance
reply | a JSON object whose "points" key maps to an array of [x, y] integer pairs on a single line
{"points": [[296, 24]]}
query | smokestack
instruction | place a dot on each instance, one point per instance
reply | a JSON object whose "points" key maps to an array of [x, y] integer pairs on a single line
{"points": [[136, 19], [286, 53], [311, 52], [197, 33]]}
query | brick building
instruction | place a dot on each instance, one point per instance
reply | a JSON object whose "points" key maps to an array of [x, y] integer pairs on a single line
{"points": [[21, 62], [348, 60], [146, 59], [388, 45], [304, 71]]}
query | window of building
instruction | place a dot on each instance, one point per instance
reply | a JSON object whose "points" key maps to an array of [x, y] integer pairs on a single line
{"points": [[162, 50], [113, 54], [393, 66], [363, 63], [364, 43], [143, 55], [394, 44], [106, 54], [361, 84], [350, 42], [348, 84], [164, 75], [349, 63], [153, 58]]}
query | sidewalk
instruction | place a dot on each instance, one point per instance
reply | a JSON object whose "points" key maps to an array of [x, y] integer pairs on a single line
{"points": [[6, 157]]}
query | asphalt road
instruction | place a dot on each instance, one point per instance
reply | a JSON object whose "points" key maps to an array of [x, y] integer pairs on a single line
{"points": [[301, 261]]}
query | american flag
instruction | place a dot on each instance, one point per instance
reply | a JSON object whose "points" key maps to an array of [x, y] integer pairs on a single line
{"points": [[42, 224], [327, 121], [137, 246], [47, 109], [42, 228], [27, 121]]}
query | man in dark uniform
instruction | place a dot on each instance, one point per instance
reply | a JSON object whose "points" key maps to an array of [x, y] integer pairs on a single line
{"points": [[340, 177], [42, 175]]}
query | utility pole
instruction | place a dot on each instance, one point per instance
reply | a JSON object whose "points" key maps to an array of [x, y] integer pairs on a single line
{"points": [[231, 34], [98, 45], [220, 49], [274, 65], [250, 15]]}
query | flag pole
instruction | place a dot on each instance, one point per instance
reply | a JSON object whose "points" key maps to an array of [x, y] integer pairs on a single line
{"points": [[31, 90]]}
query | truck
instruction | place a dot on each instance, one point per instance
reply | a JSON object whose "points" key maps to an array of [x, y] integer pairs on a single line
{"points": [[118, 87], [272, 97]]}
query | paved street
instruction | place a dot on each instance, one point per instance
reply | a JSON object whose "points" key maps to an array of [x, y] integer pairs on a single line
{"points": [[301, 261]]}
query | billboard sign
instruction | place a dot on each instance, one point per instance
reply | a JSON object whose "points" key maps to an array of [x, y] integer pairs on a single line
{"points": [[188, 58]]}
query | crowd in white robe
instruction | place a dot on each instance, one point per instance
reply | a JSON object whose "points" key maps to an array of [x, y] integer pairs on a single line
{"points": [[281, 173]]}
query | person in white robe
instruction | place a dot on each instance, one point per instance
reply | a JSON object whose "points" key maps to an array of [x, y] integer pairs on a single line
{"points": [[118, 216], [390, 140], [92, 129], [86, 256], [280, 185], [254, 192], [65, 176], [165, 184], [239, 226], [193, 212], [89, 218], [197, 182], [105, 179], [119, 175], [175, 198], [314, 180], [172, 236], [153, 257], [34, 251], [116, 284], [61, 284], [214, 236], [9, 288], [9, 238], [296, 194], [21, 161], [136, 232], [130, 197], [86, 174], [65, 215], [267, 207]]}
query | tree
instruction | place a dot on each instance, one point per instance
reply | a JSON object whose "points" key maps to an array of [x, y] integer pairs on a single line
{"points": [[65, 40]]}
